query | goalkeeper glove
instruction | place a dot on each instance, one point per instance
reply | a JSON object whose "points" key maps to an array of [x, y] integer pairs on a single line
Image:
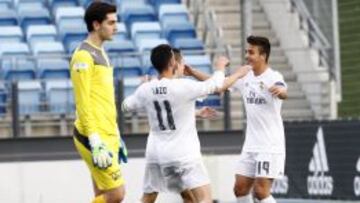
{"points": [[101, 156], [123, 154]]}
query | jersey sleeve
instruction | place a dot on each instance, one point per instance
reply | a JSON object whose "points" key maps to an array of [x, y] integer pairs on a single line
{"points": [[134, 101], [237, 86], [81, 68], [278, 80], [195, 89]]}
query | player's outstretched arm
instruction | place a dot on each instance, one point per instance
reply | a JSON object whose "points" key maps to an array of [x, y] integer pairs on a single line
{"points": [[190, 71], [134, 101], [231, 79], [209, 86], [220, 64]]}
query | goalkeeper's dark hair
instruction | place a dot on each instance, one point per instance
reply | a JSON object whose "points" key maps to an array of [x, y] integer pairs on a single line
{"points": [[97, 11], [263, 44], [161, 57]]}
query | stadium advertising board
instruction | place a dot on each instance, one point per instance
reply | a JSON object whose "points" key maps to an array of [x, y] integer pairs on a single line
{"points": [[323, 161]]}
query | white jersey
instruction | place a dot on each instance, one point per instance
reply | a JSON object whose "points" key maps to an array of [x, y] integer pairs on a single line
{"points": [[170, 107], [264, 130]]}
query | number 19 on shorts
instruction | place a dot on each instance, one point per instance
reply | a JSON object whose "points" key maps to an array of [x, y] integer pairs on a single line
{"points": [[263, 168]]}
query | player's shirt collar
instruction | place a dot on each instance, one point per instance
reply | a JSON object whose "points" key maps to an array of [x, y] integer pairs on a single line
{"points": [[263, 74], [93, 45]]}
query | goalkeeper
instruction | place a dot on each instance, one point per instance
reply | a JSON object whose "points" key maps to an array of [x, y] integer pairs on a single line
{"points": [[96, 134]]}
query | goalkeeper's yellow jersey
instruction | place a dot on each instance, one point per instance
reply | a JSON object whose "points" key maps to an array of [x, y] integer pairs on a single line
{"points": [[92, 78]]}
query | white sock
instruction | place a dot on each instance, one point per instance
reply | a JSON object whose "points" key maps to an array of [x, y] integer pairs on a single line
{"points": [[245, 199], [269, 199]]}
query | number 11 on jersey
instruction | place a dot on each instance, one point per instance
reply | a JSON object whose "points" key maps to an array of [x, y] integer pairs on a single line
{"points": [[169, 115]]}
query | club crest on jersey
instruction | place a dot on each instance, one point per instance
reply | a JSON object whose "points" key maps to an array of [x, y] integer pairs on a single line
{"points": [[262, 85]]}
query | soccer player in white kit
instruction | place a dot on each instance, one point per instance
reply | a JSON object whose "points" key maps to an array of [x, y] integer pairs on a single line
{"points": [[263, 155], [173, 149]]}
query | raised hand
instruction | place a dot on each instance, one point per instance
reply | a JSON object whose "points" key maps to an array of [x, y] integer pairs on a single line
{"points": [[242, 70], [221, 63], [278, 91], [207, 113]]}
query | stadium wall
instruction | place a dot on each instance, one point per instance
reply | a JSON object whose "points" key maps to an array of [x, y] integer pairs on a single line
{"points": [[323, 162]]}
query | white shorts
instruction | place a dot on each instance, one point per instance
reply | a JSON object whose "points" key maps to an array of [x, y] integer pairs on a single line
{"points": [[261, 165], [175, 177]]}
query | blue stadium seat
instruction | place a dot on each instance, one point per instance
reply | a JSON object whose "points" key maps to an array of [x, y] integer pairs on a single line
{"points": [[18, 69], [29, 97], [34, 16], [145, 30], [148, 44], [14, 49], [17, 2], [125, 4], [213, 100], [15, 65], [132, 13], [158, 3], [122, 2], [53, 68], [6, 4], [59, 96], [127, 66], [69, 15], [55, 4], [54, 48], [188, 44], [3, 98], [8, 17], [130, 85], [72, 46], [145, 47], [175, 22], [85, 3], [36, 33], [200, 62], [119, 46], [72, 33], [29, 5], [173, 13], [11, 34], [178, 30], [122, 33], [152, 71]]}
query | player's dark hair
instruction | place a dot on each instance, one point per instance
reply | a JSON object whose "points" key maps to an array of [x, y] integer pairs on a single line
{"points": [[161, 57], [263, 44], [96, 12], [177, 54]]}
